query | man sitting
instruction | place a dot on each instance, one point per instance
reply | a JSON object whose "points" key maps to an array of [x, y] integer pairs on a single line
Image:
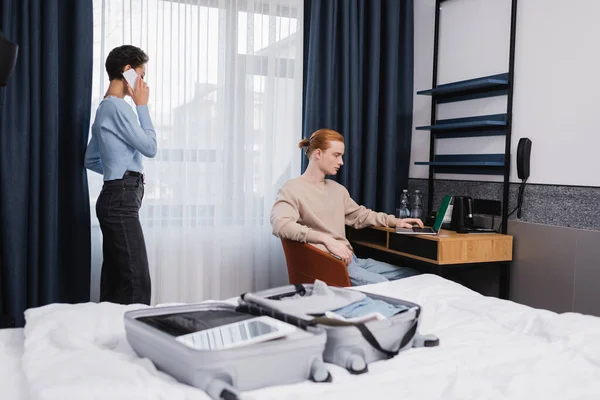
{"points": [[312, 209]]}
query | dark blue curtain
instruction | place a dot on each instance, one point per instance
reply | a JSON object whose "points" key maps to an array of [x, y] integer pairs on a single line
{"points": [[358, 80], [44, 125]]}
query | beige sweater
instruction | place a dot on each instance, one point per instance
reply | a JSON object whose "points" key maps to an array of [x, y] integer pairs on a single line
{"points": [[303, 207]]}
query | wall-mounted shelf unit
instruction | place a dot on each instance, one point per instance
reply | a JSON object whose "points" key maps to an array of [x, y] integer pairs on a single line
{"points": [[471, 126], [484, 164], [487, 86], [484, 125]]}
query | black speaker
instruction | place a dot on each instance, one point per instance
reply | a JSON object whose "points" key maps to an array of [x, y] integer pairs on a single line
{"points": [[8, 58], [462, 214]]}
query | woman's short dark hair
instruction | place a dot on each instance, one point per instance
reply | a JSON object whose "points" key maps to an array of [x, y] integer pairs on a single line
{"points": [[122, 56]]}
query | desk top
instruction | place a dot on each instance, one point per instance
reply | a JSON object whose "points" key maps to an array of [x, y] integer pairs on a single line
{"points": [[447, 248], [447, 235]]}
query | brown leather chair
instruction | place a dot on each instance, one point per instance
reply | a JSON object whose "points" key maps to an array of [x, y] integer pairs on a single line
{"points": [[305, 263]]}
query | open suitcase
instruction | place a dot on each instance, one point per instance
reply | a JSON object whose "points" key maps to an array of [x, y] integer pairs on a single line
{"points": [[153, 333], [350, 345]]}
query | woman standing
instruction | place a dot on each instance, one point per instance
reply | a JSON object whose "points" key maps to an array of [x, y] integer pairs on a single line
{"points": [[116, 150]]}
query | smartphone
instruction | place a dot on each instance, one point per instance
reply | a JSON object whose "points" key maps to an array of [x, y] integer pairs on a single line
{"points": [[237, 334], [130, 76]]}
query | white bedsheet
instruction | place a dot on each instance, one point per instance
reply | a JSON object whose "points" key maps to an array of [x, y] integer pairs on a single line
{"points": [[490, 349], [12, 380]]}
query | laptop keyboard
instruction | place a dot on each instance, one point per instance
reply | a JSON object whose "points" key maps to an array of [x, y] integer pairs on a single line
{"points": [[423, 230]]}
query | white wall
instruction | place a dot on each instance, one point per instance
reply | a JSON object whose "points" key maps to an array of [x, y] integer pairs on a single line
{"points": [[556, 94]]}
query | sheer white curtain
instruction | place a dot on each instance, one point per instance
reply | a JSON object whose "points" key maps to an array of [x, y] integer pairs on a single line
{"points": [[225, 81]]}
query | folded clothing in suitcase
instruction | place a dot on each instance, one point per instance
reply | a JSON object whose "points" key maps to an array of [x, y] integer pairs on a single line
{"points": [[353, 339], [200, 345]]}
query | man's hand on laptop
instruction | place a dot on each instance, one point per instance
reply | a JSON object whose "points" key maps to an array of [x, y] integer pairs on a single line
{"points": [[408, 223], [339, 249]]}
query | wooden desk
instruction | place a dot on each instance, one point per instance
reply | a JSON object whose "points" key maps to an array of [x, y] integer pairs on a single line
{"points": [[444, 250]]}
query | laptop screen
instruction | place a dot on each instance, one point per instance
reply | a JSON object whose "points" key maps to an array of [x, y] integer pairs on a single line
{"points": [[439, 219]]}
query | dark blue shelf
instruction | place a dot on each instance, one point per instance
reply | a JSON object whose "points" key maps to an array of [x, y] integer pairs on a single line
{"points": [[484, 125], [487, 86], [488, 164]]}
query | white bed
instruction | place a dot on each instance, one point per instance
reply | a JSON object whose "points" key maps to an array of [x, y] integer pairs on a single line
{"points": [[12, 380], [490, 349]]}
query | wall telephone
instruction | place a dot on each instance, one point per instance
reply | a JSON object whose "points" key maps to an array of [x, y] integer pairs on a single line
{"points": [[523, 156], [523, 164], [523, 169]]}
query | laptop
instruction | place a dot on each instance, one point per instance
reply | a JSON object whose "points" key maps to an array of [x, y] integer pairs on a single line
{"points": [[437, 225]]}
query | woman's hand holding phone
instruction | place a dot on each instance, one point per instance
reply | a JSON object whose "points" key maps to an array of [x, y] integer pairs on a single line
{"points": [[141, 93]]}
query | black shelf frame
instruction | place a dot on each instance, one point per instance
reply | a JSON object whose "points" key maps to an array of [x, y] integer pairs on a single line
{"points": [[499, 124]]}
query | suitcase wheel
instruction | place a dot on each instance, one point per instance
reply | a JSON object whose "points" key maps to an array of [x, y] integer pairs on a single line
{"points": [[328, 379], [319, 373], [229, 395], [425, 340], [356, 364]]}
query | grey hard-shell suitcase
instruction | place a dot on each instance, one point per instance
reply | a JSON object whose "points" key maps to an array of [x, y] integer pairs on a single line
{"points": [[353, 345], [151, 332]]}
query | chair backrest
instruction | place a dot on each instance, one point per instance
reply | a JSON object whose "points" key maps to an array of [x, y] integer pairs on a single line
{"points": [[305, 263]]}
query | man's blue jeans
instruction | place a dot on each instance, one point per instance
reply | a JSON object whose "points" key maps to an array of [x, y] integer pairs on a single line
{"points": [[367, 271]]}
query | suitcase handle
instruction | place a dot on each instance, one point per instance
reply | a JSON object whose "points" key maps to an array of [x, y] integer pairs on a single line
{"points": [[366, 333], [259, 311], [298, 289]]}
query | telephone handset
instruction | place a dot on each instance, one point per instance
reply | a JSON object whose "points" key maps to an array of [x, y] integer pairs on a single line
{"points": [[523, 164], [523, 158]]}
